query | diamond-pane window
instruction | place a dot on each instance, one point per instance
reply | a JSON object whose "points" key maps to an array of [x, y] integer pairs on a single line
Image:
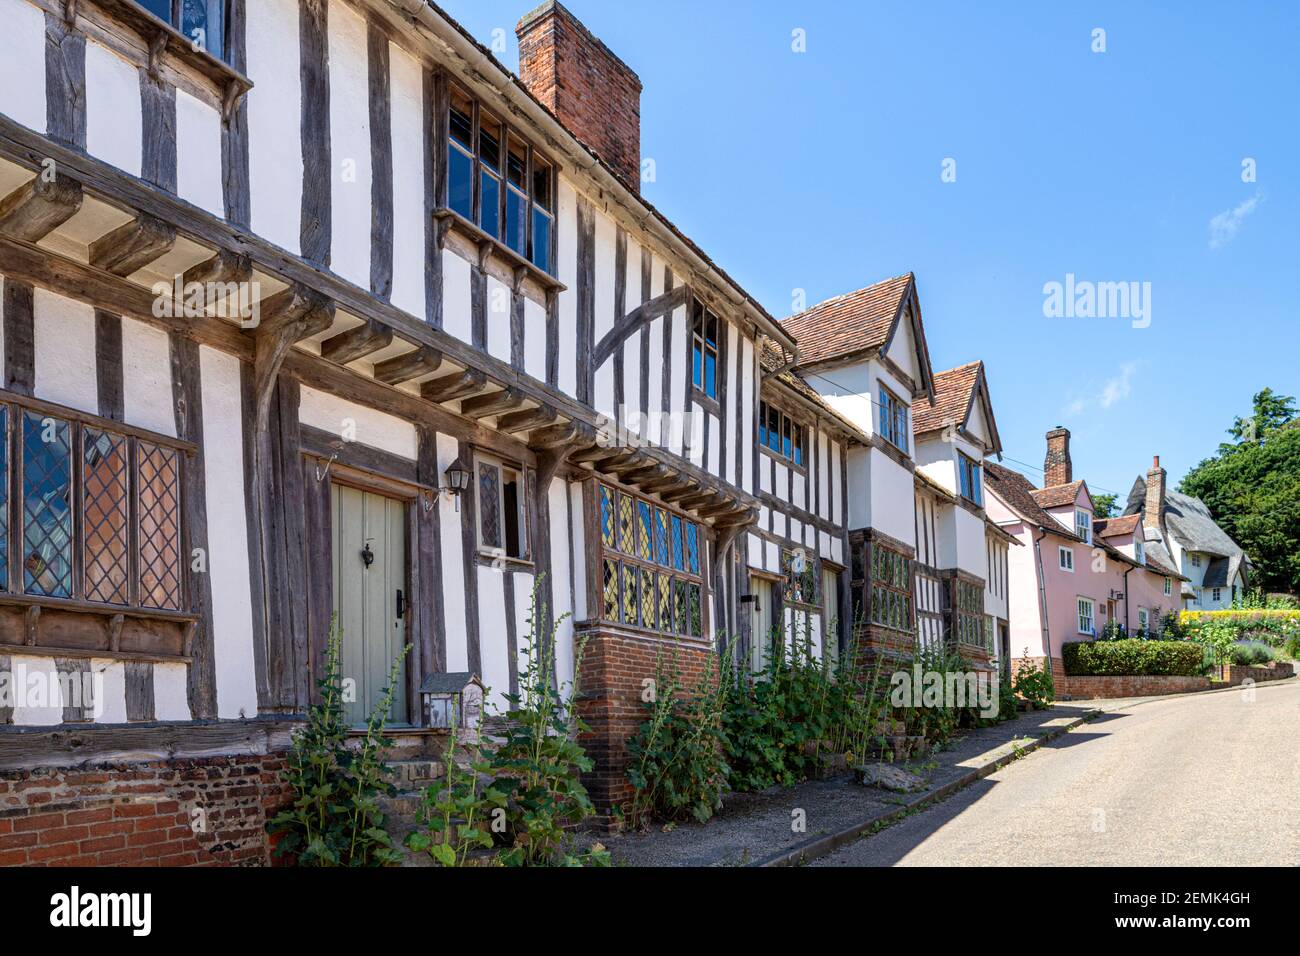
{"points": [[647, 598], [661, 537], [643, 520], [693, 547], [104, 516], [678, 562], [611, 590], [629, 594], [47, 505], [697, 625], [665, 603], [159, 502], [681, 607], [489, 505], [607, 516], [626, 528]]}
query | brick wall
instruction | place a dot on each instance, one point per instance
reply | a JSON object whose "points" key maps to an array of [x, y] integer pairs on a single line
{"points": [[1130, 686], [1235, 675], [591, 91], [183, 813], [614, 667]]}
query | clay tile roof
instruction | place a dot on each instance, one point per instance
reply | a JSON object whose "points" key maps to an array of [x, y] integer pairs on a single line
{"points": [[1111, 527], [1058, 496], [952, 397], [1018, 492], [850, 324]]}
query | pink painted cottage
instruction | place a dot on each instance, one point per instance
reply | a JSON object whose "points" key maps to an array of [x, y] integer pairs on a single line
{"points": [[1076, 573]]}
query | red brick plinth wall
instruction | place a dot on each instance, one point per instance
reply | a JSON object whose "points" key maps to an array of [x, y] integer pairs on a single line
{"points": [[1058, 670], [1234, 675], [1149, 685], [615, 667], [182, 813]]}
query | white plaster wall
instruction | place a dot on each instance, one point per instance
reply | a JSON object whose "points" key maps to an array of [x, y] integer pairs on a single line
{"points": [[114, 124], [110, 688], [677, 362], [535, 339], [223, 469], [494, 651], [604, 305], [406, 80], [453, 565], [377, 429], [198, 154], [34, 682], [523, 585], [567, 255], [498, 319], [22, 63], [892, 492], [748, 373], [65, 351], [557, 500], [902, 351], [457, 317], [350, 179], [170, 693], [579, 552], [147, 377], [274, 121], [715, 444]]}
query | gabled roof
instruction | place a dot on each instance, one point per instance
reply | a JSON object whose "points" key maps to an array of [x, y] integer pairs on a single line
{"points": [[955, 393], [860, 325], [1018, 493], [1114, 527], [1058, 496]]}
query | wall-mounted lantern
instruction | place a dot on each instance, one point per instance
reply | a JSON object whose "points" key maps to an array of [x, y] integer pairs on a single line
{"points": [[457, 478], [453, 700]]}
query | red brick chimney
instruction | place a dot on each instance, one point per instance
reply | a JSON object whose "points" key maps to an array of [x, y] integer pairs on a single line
{"points": [[1057, 467], [592, 92], [1154, 508]]}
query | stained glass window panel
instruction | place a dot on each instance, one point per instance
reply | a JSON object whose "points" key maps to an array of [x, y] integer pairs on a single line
{"points": [[648, 594], [629, 594], [607, 516], [661, 537], [643, 514], [626, 528], [693, 547], [47, 506], [678, 561], [159, 526], [665, 603], [104, 516], [611, 590]]}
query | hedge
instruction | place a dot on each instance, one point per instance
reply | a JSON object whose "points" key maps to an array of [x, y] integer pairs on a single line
{"points": [[1132, 657], [1275, 627]]}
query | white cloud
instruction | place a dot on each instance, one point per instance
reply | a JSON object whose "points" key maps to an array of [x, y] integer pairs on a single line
{"points": [[1107, 394], [1225, 226]]}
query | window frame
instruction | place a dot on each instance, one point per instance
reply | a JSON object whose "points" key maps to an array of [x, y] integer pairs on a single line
{"points": [[1144, 620], [621, 548], [894, 430], [1061, 552], [799, 432], [1083, 528], [968, 607], [1092, 615], [1169, 586], [969, 473], [700, 316], [1139, 552], [796, 596], [1217, 595], [14, 587], [892, 606], [534, 159], [176, 20], [525, 539]]}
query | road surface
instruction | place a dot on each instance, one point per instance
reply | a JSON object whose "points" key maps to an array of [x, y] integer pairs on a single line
{"points": [[1205, 780]]}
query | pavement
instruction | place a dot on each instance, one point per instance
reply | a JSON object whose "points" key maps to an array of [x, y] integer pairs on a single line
{"points": [[1209, 779], [784, 826]]}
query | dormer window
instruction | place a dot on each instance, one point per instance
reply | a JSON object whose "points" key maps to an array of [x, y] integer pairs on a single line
{"points": [[1083, 525], [1139, 552], [203, 22], [893, 419], [969, 473], [1196, 560], [781, 435]]}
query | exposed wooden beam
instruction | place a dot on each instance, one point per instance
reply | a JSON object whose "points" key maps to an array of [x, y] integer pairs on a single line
{"points": [[38, 207], [526, 420], [365, 339], [131, 247], [451, 387], [648, 474], [565, 433], [417, 362], [224, 267], [495, 403], [671, 481]]}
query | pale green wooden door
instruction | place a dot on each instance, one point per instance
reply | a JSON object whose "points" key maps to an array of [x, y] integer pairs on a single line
{"points": [[366, 598]]}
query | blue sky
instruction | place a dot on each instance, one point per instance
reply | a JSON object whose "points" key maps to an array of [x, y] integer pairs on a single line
{"points": [[821, 171]]}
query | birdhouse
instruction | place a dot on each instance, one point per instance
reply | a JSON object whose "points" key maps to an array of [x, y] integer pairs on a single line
{"points": [[453, 700]]}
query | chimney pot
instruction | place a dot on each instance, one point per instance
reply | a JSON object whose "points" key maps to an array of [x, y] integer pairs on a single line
{"points": [[590, 90]]}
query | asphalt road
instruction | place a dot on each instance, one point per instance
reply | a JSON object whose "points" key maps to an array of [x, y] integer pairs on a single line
{"points": [[1206, 780]]}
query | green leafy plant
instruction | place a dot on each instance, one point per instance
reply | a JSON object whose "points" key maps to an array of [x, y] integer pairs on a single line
{"points": [[1035, 684], [335, 818], [1251, 654], [1132, 657], [675, 759]]}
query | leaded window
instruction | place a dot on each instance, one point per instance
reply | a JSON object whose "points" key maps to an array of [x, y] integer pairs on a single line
{"points": [[800, 577], [969, 601], [704, 350], [502, 510], [893, 419], [891, 588], [203, 22], [96, 509], [652, 565]]}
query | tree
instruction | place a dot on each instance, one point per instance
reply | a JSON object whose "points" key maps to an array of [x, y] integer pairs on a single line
{"points": [[1103, 506], [1252, 488]]}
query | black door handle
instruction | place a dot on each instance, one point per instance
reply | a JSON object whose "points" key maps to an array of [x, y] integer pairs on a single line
{"points": [[401, 603]]}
